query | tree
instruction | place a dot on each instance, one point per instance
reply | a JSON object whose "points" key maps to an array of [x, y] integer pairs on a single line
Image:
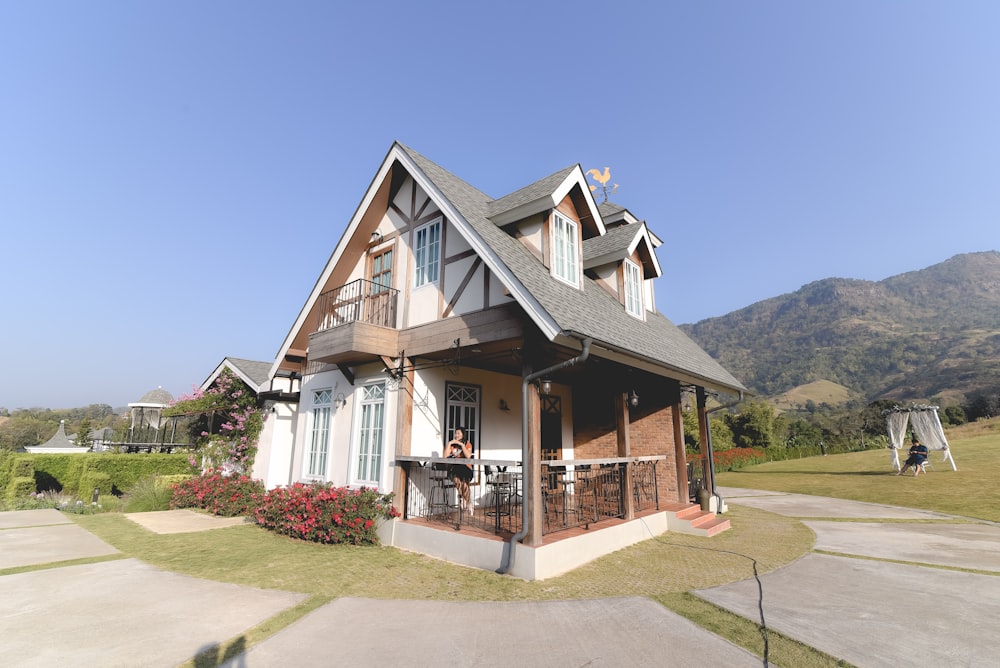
{"points": [[954, 415], [753, 426], [83, 437]]}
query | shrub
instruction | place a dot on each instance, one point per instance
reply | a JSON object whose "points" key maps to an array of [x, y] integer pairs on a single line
{"points": [[20, 486], [221, 495], [325, 514], [24, 467], [63, 472], [734, 458], [91, 480], [149, 494]]}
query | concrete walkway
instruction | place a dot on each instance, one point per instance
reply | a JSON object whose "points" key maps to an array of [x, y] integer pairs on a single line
{"points": [[858, 605], [122, 612]]}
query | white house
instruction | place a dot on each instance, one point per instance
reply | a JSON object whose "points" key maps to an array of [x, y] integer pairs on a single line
{"points": [[527, 319]]}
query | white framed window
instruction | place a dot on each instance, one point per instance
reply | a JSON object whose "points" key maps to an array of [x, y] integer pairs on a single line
{"points": [[633, 289], [462, 404], [427, 253], [319, 438], [370, 435], [565, 250]]}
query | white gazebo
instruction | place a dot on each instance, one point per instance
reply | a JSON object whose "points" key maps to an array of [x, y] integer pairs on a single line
{"points": [[925, 423]]}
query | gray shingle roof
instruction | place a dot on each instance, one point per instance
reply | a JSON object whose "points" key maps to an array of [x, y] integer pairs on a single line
{"points": [[608, 208], [59, 439], [616, 240], [252, 369], [157, 396], [589, 312], [529, 193]]}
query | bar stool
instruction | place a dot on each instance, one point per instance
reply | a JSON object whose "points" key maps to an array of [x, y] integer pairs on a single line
{"points": [[502, 486], [440, 493]]}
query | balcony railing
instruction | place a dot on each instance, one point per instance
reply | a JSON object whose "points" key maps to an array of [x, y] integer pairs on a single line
{"points": [[574, 493], [357, 301]]}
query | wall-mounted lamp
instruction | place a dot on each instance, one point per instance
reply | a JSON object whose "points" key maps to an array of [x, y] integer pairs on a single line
{"points": [[376, 238], [340, 400], [633, 399], [545, 386], [503, 405]]}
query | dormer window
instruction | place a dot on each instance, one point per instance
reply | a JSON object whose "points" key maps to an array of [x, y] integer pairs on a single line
{"points": [[427, 253], [633, 289], [565, 249]]}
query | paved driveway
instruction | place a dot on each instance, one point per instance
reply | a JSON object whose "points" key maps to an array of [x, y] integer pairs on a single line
{"points": [[859, 605], [122, 612]]}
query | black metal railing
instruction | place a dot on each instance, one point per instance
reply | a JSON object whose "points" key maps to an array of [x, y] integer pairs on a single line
{"points": [[574, 494], [357, 301], [495, 495]]}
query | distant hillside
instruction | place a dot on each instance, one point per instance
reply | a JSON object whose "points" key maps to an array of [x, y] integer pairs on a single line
{"points": [[818, 392], [928, 333]]}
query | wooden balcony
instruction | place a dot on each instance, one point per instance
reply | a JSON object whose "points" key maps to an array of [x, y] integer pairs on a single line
{"points": [[355, 322]]}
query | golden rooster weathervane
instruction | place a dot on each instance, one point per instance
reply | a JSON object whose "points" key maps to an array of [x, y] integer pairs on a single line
{"points": [[603, 179]]}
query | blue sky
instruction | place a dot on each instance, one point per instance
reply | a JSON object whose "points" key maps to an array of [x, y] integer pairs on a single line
{"points": [[174, 175]]}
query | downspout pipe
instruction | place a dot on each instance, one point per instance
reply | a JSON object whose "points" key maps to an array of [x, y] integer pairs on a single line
{"points": [[711, 452], [525, 381]]}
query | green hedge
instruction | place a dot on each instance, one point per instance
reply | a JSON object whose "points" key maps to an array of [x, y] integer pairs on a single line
{"points": [[63, 473], [92, 480], [23, 467], [20, 487]]}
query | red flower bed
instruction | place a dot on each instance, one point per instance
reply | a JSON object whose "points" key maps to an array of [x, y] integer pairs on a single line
{"points": [[221, 495], [325, 514], [734, 458]]}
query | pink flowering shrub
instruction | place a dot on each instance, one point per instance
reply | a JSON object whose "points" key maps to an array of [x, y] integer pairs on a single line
{"points": [[325, 514], [221, 495], [230, 405]]}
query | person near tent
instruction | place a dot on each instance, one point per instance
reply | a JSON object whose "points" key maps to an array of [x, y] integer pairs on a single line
{"points": [[917, 457]]}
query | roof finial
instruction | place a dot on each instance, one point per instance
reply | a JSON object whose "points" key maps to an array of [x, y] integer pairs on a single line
{"points": [[603, 179]]}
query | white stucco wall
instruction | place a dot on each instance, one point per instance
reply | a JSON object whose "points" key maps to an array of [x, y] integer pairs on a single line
{"points": [[499, 431], [275, 447]]}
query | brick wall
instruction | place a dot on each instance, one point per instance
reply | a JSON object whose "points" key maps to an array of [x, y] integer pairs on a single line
{"points": [[651, 432]]}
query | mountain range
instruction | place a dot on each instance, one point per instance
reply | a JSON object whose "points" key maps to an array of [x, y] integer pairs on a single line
{"points": [[926, 335]]}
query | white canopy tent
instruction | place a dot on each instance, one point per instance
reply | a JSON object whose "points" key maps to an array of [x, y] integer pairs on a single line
{"points": [[924, 422]]}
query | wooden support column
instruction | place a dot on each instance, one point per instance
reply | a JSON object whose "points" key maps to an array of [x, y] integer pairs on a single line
{"points": [[404, 433], [625, 450], [532, 472], [680, 453], [707, 475]]}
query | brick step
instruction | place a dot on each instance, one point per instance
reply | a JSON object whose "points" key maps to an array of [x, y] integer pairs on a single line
{"points": [[717, 525], [691, 519]]}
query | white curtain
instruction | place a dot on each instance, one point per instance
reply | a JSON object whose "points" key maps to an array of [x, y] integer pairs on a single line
{"points": [[927, 426], [896, 424]]}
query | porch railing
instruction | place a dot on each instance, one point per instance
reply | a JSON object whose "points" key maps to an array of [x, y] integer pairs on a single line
{"points": [[575, 493], [357, 301]]}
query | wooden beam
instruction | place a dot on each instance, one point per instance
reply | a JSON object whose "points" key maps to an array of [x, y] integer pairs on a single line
{"points": [[531, 471], [404, 431], [625, 449], [680, 452], [494, 324], [348, 374], [461, 288]]}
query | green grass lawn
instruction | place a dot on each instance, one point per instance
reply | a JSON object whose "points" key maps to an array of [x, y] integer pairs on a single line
{"points": [[666, 569], [971, 491]]}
